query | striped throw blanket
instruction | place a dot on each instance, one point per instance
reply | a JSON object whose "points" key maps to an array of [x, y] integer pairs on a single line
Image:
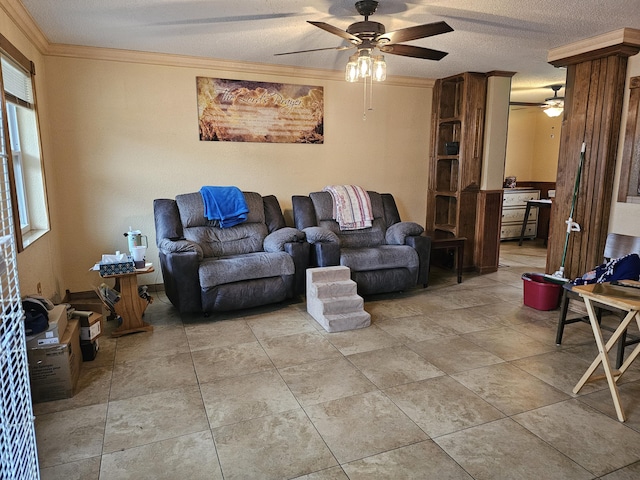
{"points": [[351, 206]]}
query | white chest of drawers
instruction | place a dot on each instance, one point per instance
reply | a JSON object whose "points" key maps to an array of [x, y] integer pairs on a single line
{"points": [[514, 205]]}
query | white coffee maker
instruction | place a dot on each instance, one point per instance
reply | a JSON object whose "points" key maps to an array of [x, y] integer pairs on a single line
{"points": [[138, 244]]}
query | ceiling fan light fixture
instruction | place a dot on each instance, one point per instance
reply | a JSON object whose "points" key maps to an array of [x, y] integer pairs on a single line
{"points": [[379, 68], [554, 105], [351, 70], [553, 111], [365, 63]]}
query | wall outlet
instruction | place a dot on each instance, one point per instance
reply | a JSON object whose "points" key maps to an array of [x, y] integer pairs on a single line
{"points": [[39, 288]]}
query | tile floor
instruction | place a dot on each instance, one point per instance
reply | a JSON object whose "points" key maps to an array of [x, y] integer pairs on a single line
{"points": [[456, 381]]}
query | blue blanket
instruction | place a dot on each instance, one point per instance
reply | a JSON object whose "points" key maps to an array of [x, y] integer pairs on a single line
{"points": [[225, 204]]}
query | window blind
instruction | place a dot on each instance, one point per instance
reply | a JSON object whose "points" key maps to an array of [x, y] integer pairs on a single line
{"points": [[17, 83]]}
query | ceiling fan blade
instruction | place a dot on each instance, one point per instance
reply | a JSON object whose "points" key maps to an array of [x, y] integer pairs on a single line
{"points": [[336, 31], [411, 51], [314, 50], [413, 33]]}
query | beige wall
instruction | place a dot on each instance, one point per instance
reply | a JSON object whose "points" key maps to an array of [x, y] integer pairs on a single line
{"points": [[625, 217], [533, 143], [123, 134]]}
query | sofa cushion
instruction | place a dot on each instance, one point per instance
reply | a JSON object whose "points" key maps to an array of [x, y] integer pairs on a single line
{"points": [[191, 209], [218, 271], [379, 258], [366, 237], [221, 242]]}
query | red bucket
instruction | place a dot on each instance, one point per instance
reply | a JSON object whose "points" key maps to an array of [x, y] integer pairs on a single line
{"points": [[540, 293]]}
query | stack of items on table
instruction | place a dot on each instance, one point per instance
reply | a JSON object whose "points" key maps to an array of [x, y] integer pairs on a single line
{"points": [[58, 338]]}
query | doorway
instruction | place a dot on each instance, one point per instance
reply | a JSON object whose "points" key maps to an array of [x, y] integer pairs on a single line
{"points": [[531, 162]]}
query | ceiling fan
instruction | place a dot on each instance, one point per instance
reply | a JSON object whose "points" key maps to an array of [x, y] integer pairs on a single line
{"points": [[552, 106], [367, 35]]}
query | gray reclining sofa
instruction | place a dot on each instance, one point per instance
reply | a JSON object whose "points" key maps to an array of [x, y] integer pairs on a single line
{"points": [[390, 256], [210, 269]]}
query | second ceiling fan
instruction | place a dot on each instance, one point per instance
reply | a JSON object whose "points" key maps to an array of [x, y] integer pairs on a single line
{"points": [[367, 35]]}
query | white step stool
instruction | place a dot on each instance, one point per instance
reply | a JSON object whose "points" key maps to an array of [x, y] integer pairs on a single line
{"points": [[332, 299]]}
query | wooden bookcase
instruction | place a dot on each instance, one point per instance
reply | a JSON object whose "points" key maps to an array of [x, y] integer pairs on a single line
{"points": [[454, 177]]}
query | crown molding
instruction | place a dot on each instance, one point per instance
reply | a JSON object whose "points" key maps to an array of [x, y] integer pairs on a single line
{"points": [[186, 61], [625, 42], [25, 23]]}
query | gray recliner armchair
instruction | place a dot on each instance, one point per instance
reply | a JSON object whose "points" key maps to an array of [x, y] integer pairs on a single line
{"points": [[210, 269], [390, 256]]}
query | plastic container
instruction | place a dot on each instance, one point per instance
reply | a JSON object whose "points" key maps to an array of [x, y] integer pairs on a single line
{"points": [[540, 293]]}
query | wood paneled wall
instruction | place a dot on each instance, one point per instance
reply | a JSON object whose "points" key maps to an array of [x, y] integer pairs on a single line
{"points": [[593, 109], [486, 251]]}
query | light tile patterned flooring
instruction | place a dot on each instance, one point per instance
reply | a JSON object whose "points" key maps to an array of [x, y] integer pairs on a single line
{"points": [[456, 381]]}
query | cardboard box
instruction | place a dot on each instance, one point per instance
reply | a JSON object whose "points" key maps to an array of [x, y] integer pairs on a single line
{"points": [[90, 326], [53, 334], [54, 369], [91, 332]]}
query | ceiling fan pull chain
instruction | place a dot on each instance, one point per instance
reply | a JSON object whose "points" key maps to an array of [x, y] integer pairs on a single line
{"points": [[364, 100], [370, 92]]}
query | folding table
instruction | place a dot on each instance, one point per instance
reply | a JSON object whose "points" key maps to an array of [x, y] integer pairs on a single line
{"points": [[626, 299]]}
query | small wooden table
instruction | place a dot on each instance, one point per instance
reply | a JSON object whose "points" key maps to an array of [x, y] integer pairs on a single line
{"points": [[532, 203], [456, 243], [131, 306], [626, 299]]}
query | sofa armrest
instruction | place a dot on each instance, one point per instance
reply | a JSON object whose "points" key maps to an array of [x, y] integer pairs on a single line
{"points": [[181, 280], [398, 232], [276, 241], [167, 246], [422, 245], [320, 235], [300, 254], [325, 247]]}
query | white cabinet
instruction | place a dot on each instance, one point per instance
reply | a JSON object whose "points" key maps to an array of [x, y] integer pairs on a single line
{"points": [[514, 205]]}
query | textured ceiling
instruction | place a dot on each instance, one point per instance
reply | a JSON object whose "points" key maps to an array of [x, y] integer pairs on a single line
{"points": [[509, 35]]}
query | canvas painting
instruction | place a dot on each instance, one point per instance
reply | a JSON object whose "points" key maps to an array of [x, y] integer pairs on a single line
{"points": [[245, 111]]}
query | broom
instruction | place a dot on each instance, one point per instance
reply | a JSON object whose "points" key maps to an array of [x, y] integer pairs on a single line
{"points": [[572, 226]]}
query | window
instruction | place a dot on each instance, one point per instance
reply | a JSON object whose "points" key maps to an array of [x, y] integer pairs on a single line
{"points": [[26, 172], [16, 154]]}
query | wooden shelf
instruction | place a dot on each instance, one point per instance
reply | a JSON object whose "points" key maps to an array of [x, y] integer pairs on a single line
{"points": [[446, 121], [446, 228], [458, 103]]}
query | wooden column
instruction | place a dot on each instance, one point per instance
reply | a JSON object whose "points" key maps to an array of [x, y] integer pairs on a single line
{"points": [[487, 245], [593, 109], [486, 252]]}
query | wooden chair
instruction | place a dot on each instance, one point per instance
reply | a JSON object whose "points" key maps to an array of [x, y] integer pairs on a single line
{"points": [[616, 246]]}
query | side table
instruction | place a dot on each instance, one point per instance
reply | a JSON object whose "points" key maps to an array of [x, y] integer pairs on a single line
{"points": [[131, 306], [457, 243], [532, 203]]}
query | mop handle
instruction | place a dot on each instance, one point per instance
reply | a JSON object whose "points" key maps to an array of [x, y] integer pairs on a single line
{"points": [[573, 203], [576, 187]]}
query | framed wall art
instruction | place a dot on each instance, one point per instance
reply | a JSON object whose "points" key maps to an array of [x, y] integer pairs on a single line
{"points": [[247, 111]]}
